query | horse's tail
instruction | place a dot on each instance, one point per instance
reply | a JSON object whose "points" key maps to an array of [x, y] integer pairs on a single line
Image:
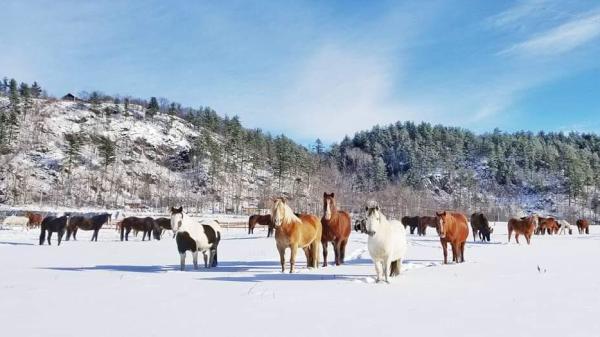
{"points": [[395, 268], [215, 261], [43, 232]]}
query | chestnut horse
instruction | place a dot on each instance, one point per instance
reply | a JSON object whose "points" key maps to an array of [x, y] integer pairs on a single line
{"points": [[547, 225], [264, 220], [583, 226], [424, 222], [524, 226], [35, 220], [295, 232], [452, 227], [336, 229]]}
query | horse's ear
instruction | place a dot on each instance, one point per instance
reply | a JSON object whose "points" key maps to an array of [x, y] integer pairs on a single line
{"points": [[366, 208], [324, 194], [332, 195], [377, 207], [439, 213], [180, 210]]}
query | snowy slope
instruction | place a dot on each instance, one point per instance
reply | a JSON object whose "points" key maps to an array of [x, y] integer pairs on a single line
{"points": [[134, 289]]}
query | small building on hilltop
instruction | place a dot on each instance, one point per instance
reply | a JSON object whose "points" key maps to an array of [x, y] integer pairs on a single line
{"points": [[70, 97]]}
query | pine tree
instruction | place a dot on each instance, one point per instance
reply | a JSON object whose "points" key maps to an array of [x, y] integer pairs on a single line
{"points": [[106, 147], [152, 108], [36, 90], [73, 153], [26, 98], [14, 110]]}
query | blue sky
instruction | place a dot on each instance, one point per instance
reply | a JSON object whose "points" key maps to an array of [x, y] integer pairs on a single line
{"points": [[323, 69]]}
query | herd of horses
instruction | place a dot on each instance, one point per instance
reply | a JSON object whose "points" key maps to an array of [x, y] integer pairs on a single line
{"points": [[387, 242]]}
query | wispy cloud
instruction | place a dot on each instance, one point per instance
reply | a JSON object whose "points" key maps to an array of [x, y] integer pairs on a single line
{"points": [[561, 39], [517, 13]]}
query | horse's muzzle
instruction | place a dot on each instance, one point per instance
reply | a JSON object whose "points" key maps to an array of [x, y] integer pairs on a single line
{"points": [[371, 233]]}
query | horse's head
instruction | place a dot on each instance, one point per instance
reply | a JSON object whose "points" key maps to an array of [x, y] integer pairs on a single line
{"points": [[441, 223], [176, 218], [374, 217], [328, 205], [278, 212]]}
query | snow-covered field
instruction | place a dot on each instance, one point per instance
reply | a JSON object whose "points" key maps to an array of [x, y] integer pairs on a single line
{"points": [[113, 288]]}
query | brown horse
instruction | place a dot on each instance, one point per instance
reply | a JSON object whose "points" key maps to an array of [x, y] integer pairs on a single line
{"points": [[583, 226], [524, 226], [336, 229], [93, 223], [162, 225], [145, 225], [264, 220], [35, 220], [424, 222], [547, 225], [452, 227], [295, 232]]}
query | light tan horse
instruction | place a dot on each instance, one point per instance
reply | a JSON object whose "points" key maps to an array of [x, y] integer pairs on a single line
{"points": [[295, 232]]}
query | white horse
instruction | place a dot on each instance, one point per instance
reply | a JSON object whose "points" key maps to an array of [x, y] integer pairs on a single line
{"points": [[565, 227], [387, 243], [196, 237], [16, 221]]}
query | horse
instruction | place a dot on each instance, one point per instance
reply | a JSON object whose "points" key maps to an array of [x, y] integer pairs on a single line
{"points": [[16, 221], [548, 225], [264, 220], [196, 237], [565, 227], [53, 224], [93, 223], [35, 219], [524, 226], [162, 225], [452, 227], [481, 225], [424, 222], [293, 231], [145, 225], [336, 229], [360, 225], [386, 243], [583, 226], [410, 221]]}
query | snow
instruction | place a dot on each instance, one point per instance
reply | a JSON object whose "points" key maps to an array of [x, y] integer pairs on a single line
{"points": [[134, 288]]}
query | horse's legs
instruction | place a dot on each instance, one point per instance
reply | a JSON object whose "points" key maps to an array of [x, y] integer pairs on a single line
{"points": [[343, 251], [281, 251], [528, 238], [378, 266], [122, 232], [324, 253], [474, 233], [445, 249], [69, 233], [294, 250], [182, 261], [49, 236], [75, 234], [517, 236], [127, 234], [60, 235], [387, 263], [462, 252], [42, 236], [337, 247], [509, 234], [195, 259], [454, 252]]}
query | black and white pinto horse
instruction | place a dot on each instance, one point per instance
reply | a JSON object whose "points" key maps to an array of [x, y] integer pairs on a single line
{"points": [[53, 224], [196, 237]]}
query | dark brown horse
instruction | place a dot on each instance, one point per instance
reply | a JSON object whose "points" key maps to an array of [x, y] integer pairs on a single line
{"points": [[524, 226], [53, 224], [411, 222], [35, 219], [93, 223], [452, 228], [264, 220], [145, 225], [480, 225], [426, 221], [162, 225], [583, 226], [336, 229]]}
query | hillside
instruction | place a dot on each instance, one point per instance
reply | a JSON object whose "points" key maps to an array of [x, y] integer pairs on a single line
{"points": [[103, 151]]}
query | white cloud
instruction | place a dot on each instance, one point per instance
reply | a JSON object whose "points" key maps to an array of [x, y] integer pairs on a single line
{"points": [[561, 39], [519, 12]]}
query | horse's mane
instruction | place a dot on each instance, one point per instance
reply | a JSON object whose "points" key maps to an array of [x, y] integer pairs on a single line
{"points": [[288, 214]]}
